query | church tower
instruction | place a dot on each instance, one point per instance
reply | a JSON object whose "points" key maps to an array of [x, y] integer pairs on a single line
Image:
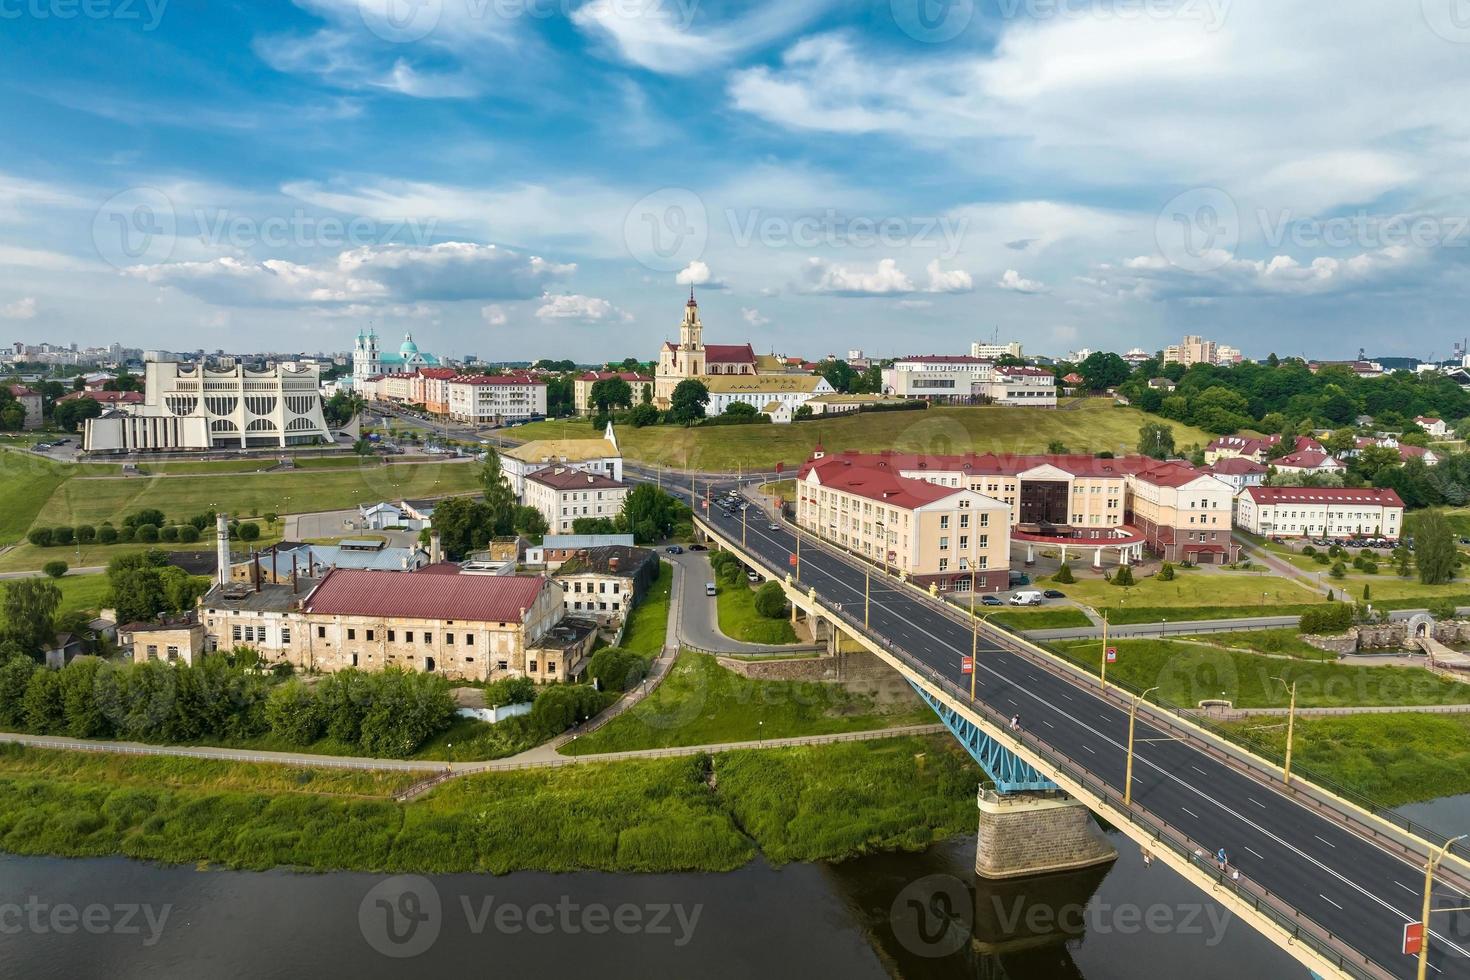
{"points": [[691, 340]]}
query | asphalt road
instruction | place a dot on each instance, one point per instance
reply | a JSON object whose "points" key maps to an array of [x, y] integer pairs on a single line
{"points": [[1333, 876]]}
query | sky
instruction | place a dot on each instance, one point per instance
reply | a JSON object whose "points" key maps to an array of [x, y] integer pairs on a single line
{"points": [[518, 179]]}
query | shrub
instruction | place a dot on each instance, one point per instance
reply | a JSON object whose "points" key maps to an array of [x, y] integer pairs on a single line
{"points": [[564, 705], [1309, 550], [1064, 575], [188, 533], [147, 533], [45, 713], [616, 669], [86, 533], [1321, 559], [168, 533], [40, 537], [1166, 572], [295, 714], [1442, 608], [770, 600], [1339, 570], [55, 569], [270, 517], [249, 531], [1334, 617], [512, 690], [62, 535], [107, 534], [1123, 576], [126, 534]]}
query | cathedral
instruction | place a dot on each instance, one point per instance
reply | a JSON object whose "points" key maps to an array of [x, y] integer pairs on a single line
{"points": [[691, 357], [369, 362]]}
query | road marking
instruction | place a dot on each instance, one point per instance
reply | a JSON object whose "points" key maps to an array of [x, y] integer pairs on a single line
{"points": [[1185, 809], [1254, 851], [1199, 770], [1090, 749], [1010, 702], [1329, 901], [1047, 723], [1256, 802], [1406, 888], [1326, 841]]}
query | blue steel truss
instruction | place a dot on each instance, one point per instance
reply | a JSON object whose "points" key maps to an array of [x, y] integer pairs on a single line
{"points": [[1009, 773]]}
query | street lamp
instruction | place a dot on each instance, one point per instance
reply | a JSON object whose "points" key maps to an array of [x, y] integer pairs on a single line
{"points": [[1435, 857], [1128, 776], [1290, 727]]}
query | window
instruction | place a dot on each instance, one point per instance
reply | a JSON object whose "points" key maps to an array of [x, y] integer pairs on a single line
{"points": [[250, 634], [449, 639], [321, 632], [390, 636], [285, 636], [235, 632], [428, 637], [502, 665], [550, 667], [531, 666], [152, 652], [944, 564], [354, 660], [944, 543], [351, 633], [173, 653], [943, 521]]}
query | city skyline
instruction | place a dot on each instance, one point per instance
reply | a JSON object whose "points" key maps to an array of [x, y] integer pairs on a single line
{"points": [[518, 180]]}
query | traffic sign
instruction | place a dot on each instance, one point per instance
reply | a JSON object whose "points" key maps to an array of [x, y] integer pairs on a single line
{"points": [[779, 468], [791, 560], [1413, 938], [967, 665], [1112, 655]]}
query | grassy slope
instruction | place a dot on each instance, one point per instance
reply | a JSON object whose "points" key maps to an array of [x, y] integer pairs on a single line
{"points": [[649, 624], [1036, 617], [740, 621], [26, 483], [650, 816], [702, 703], [1187, 673], [1096, 426], [1283, 642]]}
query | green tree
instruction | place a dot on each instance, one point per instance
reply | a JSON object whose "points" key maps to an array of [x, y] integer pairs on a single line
{"points": [[84, 716], [29, 606], [740, 410], [45, 712], [249, 531], [1064, 575], [68, 416], [643, 415], [295, 714], [610, 393], [1102, 370], [531, 523], [840, 375], [770, 600], [1056, 448], [649, 513], [687, 403], [616, 669], [55, 569], [464, 525], [500, 498], [15, 676], [1156, 439], [1434, 548]]}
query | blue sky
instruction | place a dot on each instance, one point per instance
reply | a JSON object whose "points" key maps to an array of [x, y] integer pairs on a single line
{"points": [[525, 178]]}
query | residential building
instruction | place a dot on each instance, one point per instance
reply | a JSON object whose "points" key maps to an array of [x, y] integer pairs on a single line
{"points": [[1320, 512], [177, 639], [839, 403], [582, 388], [1309, 459], [196, 407], [991, 351], [947, 537], [1238, 472], [601, 456], [1024, 387], [1435, 427], [1192, 350], [494, 400], [1137, 356], [557, 548], [947, 378], [465, 626], [602, 584], [429, 387], [30, 401], [563, 495]]}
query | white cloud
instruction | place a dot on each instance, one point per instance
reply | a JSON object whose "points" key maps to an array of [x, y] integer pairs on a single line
{"points": [[1151, 276], [953, 281], [587, 309], [493, 315], [753, 317], [1014, 281], [887, 279], [697, 273], [21, 309]]}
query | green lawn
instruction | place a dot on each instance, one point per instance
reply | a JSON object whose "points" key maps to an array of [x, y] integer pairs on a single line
{"points": [[648, 626], [1186, 674], [740, 621], [26, 483], [1283, 642], [81, 593], [702, 703], [1391, 758], [1190, 590], [785, 489], [1037, 617], [1098, 425]]}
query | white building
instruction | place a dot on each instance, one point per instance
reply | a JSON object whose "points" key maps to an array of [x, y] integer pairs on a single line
{"points": [[1433, 426], [369, 362], [777, 395], [1320, 512], [600, 456], [563, 495], [1026, 387], [485, 400], [195, 407], [952, 378], [990, 352]]}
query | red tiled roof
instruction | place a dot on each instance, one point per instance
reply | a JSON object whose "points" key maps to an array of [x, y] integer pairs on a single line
{"points": [[438, 373], [107, 397], [1324, 495], [1309, 459], [1236, 466], [848, 474], [485, 379], [1023, 372], [573, 479], [729, 354], [1170, 475], [414, 595], [945, 359], [992, 464], [629, 376], [21, 391]]}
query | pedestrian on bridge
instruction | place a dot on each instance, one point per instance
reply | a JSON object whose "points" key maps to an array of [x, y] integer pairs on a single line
{"points": [[1015, 723], [1221, 859]]}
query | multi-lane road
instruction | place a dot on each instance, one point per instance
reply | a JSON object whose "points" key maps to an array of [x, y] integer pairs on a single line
{"points": [[1333, 875]]}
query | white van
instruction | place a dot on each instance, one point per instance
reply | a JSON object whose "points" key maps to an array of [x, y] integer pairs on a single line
{"points": [[709, 588], [1027, 598]]}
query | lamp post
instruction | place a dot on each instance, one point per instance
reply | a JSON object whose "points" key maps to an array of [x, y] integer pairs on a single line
{"points": [[1103, 674], [1128, 776], [1290, 727], [867, 591], [1435, 857], [975, 651]]}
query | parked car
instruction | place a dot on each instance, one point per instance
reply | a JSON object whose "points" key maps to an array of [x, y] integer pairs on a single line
{"points": [[674, 549], [1027, 598], [709, 588], [1054, 594], [697, 547], [990, 600], [752, 577]]}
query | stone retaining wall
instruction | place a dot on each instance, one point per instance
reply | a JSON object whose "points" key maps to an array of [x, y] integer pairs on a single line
{"points": [[1388, 636]]}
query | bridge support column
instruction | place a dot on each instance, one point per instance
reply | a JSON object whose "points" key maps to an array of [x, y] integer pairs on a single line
{"points": [[1027, 834]]}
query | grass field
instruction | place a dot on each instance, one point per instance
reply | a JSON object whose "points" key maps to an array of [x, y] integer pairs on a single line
{"points": [[648, 626], [1284, 643], [686, 814], [1096, 426], [1391, 758], [26, 483], [740, 621], [1190, 590], [1187, 673], [81, 593], [702, 703], [1036, 617]]}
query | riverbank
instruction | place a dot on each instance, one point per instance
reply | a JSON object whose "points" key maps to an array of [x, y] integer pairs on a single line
{"points": [[700, 813]]}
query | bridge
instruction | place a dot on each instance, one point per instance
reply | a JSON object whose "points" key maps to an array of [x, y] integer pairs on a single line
{"points": [[1324, 877]]}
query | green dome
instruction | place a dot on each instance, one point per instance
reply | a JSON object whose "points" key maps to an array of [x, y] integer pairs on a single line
{"points": [[409, 347]]}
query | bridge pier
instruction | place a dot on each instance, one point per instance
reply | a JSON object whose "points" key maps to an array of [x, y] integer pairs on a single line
{"points": [[1027, 834]]}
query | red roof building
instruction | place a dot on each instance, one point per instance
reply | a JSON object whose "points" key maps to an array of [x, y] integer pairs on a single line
{"points": [[1321, 512], [432, 597], [107, 397]]}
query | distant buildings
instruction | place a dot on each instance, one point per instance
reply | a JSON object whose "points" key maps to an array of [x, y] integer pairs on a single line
{"points": [[961, 380], [30, 401], [599, 456], [1435, 427], [582, 387], [563, 495], [1193, 350], [368, 362], [495, 399], [1325, 512], [991, 352], [603, 583]]}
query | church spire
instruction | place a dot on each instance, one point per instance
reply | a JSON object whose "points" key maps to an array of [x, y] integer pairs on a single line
{"points": [[691, 297]]}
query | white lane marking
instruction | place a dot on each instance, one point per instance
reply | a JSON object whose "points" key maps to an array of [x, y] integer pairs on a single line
{"points": [[1090, 749], [1199, 770], [1256, 802], [1406, 888], [1169, 775], [1326, 841], [1190, 812], [1047, 723], [1254, 851], [1329, 901]]}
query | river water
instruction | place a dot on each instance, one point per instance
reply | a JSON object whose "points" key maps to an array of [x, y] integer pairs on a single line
{"points": [[911, 915]]}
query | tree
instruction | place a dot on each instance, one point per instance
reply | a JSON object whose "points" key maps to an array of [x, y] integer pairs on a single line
{"points": [[500, 498], [1103, 369], [1064, 575], [295, 713], [1166, 572], [68, 416], [1374, 460], [688, 401], [1156, 439], [40, 537], [616, 669], [15, 676], [531, 523], [249, 531], [29, 606], [464, 525], [86, 533], [839, 375], [1056, 447], [610, 393], [55, 569], [45, 712], [770, 600], [802, 412], [649, 513], [147, 516], [740, 410], [1434, 548], [1123, 576]]}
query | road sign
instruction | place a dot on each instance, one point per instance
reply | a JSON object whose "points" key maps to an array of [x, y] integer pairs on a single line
{"points": [[1112, 655], [1413, 938], [779, 468], [967, 665], [791, 560]]}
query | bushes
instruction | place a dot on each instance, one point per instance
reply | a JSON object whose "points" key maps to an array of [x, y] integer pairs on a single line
{"points": [[1339, 570], [62, 535], [1166, 572], [1334, 617], [295, 714], [249, 531], [55, 569], [770, 600], [510, 690], [1442, 609], [86, 533], [107, 534], [147, 533], [168, 532], [188, 533], [615, 669], [1123, 576], [40, 537], [1064, 575], [563, 705]]}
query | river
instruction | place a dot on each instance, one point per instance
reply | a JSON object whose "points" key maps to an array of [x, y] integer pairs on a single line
{"points": [[905, 915]]}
